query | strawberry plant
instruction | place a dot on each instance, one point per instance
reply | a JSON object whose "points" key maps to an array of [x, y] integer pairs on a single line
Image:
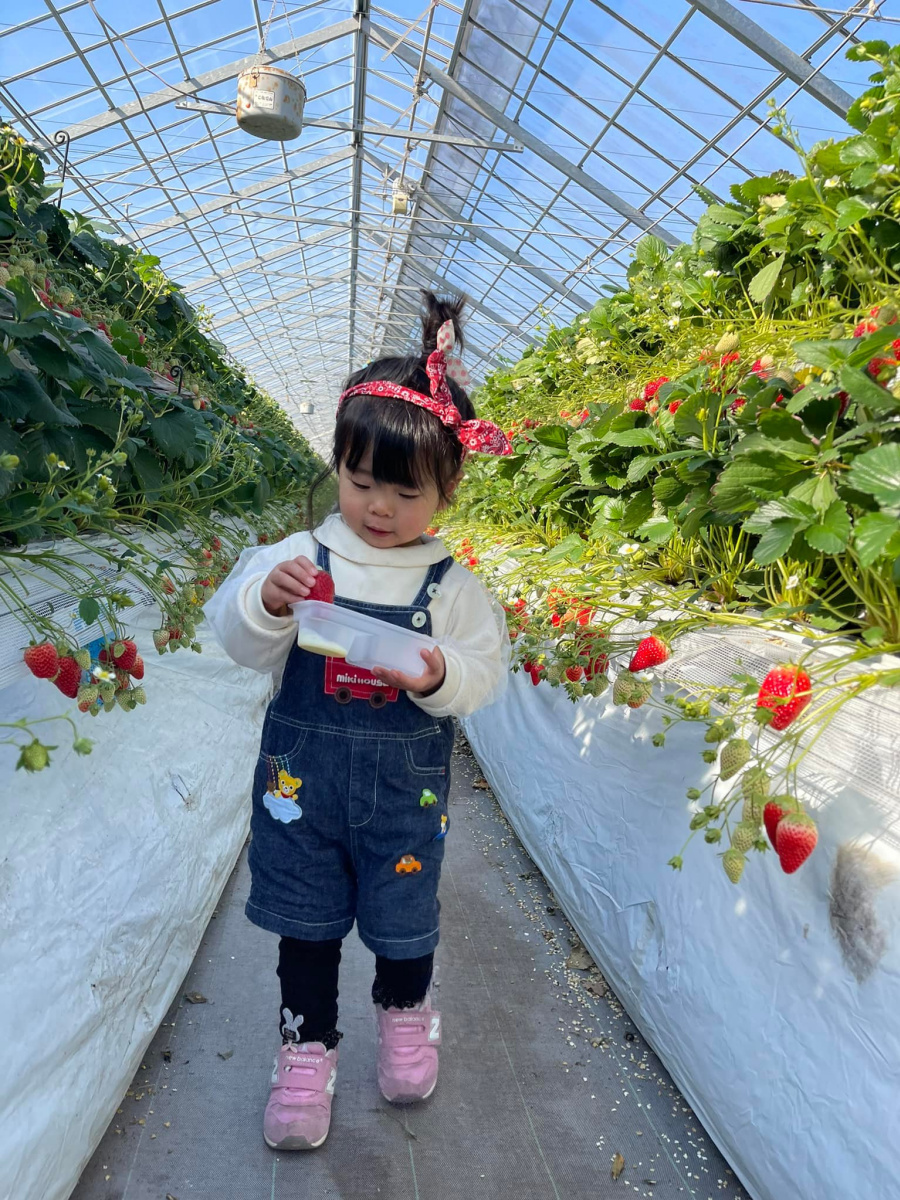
{"points": [[125, 430], [718, 444]]}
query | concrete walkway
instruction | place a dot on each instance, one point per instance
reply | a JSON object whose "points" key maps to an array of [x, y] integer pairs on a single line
{"points": [[546, 1087]]}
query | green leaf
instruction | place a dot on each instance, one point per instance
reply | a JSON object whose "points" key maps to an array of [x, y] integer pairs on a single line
{"points": [[724, 215], [865, 391], [553, 435], [832, 533], [89, 610], [570, 549], [871, 535], [632, 437], [859, 150], [775, 542], [23, 398], [637, 510], [174, 434], [850, 211], [656, 530], [785, 508], [27, 303], [92, 249], [639, 467], [742, 483], [148, 471], [828, 355], [763, 282], [669, 491], [877, 473]]}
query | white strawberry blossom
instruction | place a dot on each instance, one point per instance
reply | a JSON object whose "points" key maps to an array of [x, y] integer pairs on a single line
{"points": [[833, 182], [104, 676], [673, 322], [712, 273]]}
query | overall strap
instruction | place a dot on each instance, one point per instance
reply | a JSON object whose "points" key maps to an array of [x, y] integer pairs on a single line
{"points": [[436, 573], [323, 558]]}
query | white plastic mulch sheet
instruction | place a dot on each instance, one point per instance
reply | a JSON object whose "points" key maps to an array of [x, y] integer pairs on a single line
{"points": [[110, 868], [773, 1004]]}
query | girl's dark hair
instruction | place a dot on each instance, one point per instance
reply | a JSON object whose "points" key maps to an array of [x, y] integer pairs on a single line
{"points": [[411, 447]]}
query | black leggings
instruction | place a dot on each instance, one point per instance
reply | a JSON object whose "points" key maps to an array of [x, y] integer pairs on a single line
{"points": [[309, 987]]}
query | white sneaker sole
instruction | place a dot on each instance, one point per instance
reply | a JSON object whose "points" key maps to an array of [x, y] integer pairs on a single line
{"points": [[294, 1143]]}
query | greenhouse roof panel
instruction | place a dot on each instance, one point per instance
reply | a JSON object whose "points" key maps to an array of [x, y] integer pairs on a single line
{"points": [[592, 124]]}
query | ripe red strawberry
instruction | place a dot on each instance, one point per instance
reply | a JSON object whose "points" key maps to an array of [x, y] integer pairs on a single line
{"points": [[322, 589], [650, 653], [786, 691], [216, 543], [536, 673], [473, 561], [137, 670], [795, 840], [68, 677], [124, 659], [653, 386], [638, 404], [42, 661], [574, 674], [777, 808], [674, 406], [207, 555]]}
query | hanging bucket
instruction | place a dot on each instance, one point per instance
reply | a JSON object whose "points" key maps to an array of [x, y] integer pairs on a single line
{"points": [[270, 103], [399, 201], [306, 409]]}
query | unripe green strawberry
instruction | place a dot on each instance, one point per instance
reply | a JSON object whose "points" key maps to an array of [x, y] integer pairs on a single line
{"points": [[640, 693], [733, 862], [87, 697], [160, 639], [139, 695], [755, 783], [107, 692], [597, 685], [34, 757], [109, 705], [752, 811], [554, 675], [735, 754], [623, 688], [124, 701], [745, 836], [83, 658]]}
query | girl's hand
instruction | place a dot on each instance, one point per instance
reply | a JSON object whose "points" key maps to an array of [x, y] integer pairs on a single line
{"points": [[286, 584], [423, 685]]}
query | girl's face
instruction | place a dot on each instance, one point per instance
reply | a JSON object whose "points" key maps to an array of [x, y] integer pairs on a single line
{"points": [[383, 514]]}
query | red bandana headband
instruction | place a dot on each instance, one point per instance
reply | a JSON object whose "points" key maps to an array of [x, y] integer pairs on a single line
{"points": [[480, 437]]}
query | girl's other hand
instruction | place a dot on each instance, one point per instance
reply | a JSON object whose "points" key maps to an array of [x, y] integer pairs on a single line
{"points": [[286, 584], [422, 685]]}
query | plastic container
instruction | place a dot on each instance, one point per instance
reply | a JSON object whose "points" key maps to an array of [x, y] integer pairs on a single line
{"points": [[363, 641]]}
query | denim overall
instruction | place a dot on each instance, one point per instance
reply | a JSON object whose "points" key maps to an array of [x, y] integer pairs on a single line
{"points": [[350, 799]]}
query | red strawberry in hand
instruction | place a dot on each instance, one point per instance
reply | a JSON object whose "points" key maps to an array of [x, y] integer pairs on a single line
{"points": [[650, 653], [786, 691], [796, 839], [42, 661], [68, 678], [322, 589]]}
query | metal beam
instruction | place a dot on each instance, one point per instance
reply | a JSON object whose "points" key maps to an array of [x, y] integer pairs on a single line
{"points": [[189, 87], [361, 55], [519, 134], [243, 312], [775, 53], [256, 189], [481, 235]]}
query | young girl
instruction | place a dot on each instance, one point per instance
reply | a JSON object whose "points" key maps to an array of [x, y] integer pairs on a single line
{"points": [[351, 788]]}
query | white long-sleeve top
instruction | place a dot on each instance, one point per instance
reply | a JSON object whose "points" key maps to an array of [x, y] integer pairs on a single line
{"points": [[470, 631]]}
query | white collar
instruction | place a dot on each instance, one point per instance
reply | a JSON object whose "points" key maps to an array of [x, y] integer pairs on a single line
{"points": [[341, 540]]}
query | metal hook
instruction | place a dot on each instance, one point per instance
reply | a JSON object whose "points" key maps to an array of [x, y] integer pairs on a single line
{"points": [[61, 138], [177, 372]]}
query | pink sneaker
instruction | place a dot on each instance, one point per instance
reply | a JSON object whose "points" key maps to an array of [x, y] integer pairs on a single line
{"points": [[299, 1110], [408, 1039]]}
